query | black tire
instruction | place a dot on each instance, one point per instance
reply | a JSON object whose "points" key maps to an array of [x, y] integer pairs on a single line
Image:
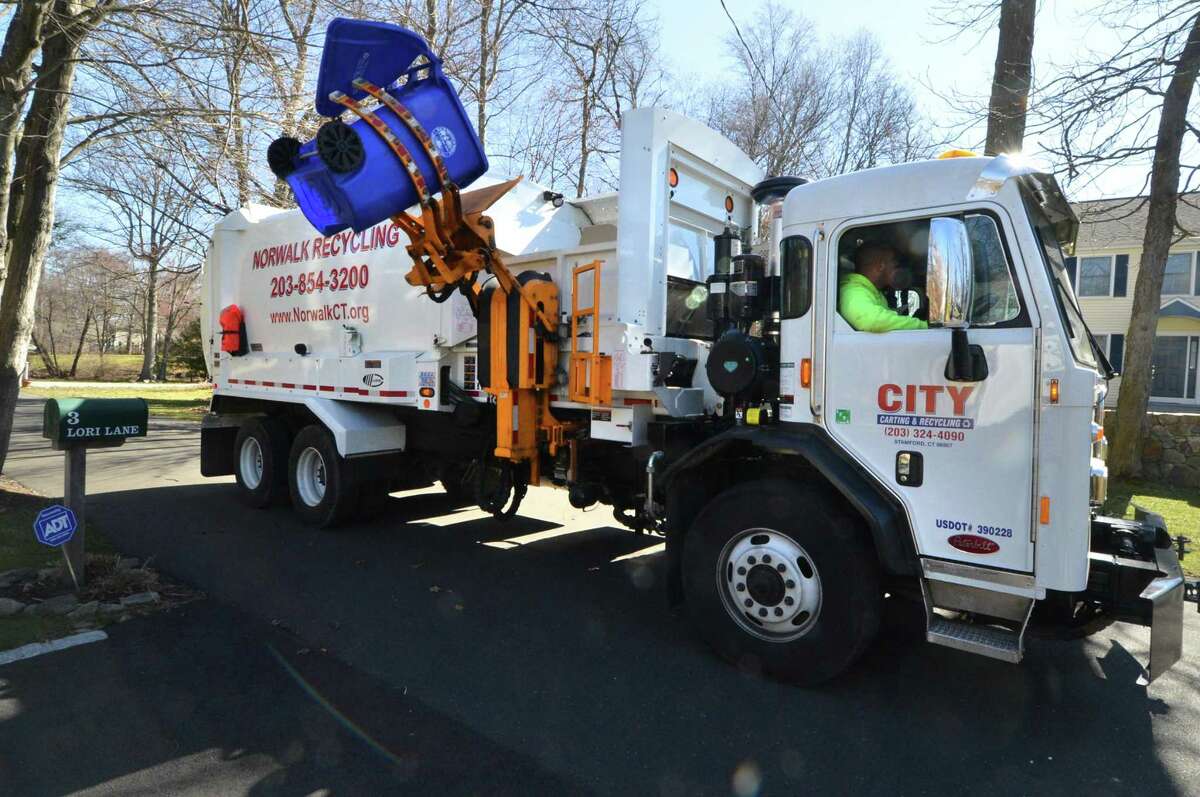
{"points": [[338, 493], [271, 438], [851, 596]]}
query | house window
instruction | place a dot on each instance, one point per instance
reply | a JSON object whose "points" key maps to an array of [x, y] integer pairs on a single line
{"points": [[1095, 276], [1177, 279]]}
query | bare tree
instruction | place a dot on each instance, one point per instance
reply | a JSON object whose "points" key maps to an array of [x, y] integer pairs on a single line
{"points": [[177, 304], [153, 220], [22, 40], [798, 107], [592, 42], [1012, 76], [31, 194], [1132, 107]]}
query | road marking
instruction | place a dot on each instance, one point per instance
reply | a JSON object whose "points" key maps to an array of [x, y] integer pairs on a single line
{"points": [[38, 648]]}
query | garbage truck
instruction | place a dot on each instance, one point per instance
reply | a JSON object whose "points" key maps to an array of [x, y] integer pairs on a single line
{"points": [[674, 350]]}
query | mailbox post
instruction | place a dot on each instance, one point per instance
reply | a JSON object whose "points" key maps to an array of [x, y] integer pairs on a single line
{"points": [[75, 425]]}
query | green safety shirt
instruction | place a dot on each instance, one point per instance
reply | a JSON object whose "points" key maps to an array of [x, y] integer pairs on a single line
{"points": [[865, 309]]}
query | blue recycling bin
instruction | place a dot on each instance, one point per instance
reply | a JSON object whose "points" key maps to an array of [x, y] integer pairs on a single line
{"points": [[348, 176]]}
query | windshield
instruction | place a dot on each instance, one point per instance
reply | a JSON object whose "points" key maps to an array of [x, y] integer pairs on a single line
{"points": [[1082, 343]]}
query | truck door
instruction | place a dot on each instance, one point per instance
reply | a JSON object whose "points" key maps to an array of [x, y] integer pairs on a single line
{"points": [[970, 445]]}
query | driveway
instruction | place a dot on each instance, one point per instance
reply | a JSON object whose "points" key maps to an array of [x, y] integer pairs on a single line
{"points": [[549, 638]]}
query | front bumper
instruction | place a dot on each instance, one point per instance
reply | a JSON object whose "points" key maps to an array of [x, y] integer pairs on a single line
{"points": [[1135, 577], [1165, 595]]}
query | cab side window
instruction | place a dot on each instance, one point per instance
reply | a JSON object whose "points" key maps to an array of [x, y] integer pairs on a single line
{"points": [[996, 300], [796, 269]]}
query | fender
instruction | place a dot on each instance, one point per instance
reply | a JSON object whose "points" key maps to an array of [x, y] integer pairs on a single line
{"points": [[884, 516]]}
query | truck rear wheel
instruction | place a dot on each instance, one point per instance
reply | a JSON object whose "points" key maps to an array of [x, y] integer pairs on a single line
{"points": [[323, 492], [779, 579], [261, 461]]}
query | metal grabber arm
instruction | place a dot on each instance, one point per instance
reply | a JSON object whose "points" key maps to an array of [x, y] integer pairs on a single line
{"points": [[450, 242]]}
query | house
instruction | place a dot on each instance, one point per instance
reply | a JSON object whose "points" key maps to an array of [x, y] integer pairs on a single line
{"points": [[1104, 272]]}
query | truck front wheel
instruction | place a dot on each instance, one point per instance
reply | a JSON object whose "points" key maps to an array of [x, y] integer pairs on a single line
{"points": [[777, 578], [322, 490], [260, 459]]}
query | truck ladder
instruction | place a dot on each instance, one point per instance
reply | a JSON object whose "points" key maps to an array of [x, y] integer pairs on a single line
{"points": [[590, 376]]}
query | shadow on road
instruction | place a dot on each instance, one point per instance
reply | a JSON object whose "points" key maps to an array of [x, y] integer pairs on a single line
{"points": [[555, 644], [208, 700]]}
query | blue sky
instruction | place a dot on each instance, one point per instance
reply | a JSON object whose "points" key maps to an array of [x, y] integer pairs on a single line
{"points": [[693, 33]]}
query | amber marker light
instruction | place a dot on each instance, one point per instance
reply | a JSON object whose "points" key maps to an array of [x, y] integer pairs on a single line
{"points": [[426, 392], [728, 204], [1053, 391], [672, 177], [806, 372], [1044, 511]]}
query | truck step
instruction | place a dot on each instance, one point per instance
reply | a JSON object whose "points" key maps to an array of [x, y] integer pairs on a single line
{"points": [[993, 641], [996, 643]]}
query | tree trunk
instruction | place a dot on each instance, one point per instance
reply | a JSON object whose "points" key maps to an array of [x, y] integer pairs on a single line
{"points": [[150, 329], [485, 17], [1011, 78], [44, 125], [584, 124], [1126, 456], [21, 43], [50, 366], [87, 319]]}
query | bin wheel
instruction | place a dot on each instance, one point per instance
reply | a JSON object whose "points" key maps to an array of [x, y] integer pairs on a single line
{"points": [[781, 580], [260, 455], [322, 490]]}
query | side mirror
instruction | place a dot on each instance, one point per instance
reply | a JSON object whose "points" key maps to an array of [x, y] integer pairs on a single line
{"points": [[950, 277], [950, 285]]}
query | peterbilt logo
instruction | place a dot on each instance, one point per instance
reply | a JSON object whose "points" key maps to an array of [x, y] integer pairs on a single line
{"points": [[969, 543], [372, 380], [924, 399]]}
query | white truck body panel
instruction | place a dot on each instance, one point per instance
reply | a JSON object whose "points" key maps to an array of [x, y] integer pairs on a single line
{"points": [[383, 341]]}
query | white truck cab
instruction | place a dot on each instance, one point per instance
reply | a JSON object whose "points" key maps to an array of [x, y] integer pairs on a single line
{"points": [[798, 468]]}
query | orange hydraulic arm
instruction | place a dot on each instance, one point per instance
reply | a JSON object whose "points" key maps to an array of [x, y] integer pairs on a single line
{"points": [[451, 241]]}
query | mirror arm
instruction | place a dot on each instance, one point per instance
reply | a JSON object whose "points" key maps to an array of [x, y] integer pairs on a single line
{"points": [[967, 361], [960, 351]]}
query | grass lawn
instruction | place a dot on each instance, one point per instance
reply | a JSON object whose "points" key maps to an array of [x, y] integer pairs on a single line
{"points": [[94, 368], [1179, 506], [166, 401], [18, 548]]}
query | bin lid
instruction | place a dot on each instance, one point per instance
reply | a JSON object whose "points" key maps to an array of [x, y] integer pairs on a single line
{"points": [[377, 51]]}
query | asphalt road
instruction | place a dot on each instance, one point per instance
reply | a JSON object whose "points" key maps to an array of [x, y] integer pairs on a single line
{"points": [[207, 699], [548, 638]]}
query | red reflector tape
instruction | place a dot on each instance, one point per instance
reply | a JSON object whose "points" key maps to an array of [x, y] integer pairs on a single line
{"points": [[393, 393]]}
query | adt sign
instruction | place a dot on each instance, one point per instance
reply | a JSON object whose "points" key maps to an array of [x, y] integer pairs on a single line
{"points": [[55, 525]]}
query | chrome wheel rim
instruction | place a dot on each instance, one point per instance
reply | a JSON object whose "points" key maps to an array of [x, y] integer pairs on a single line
{"points": [[310, 476], [769, 584], [250, 462]]}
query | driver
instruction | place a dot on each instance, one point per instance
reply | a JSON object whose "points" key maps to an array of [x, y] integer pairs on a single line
{"points": [[860, 297]]}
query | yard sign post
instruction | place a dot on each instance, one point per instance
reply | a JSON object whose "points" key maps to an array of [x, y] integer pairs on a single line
{"points": [[74, 426]]}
